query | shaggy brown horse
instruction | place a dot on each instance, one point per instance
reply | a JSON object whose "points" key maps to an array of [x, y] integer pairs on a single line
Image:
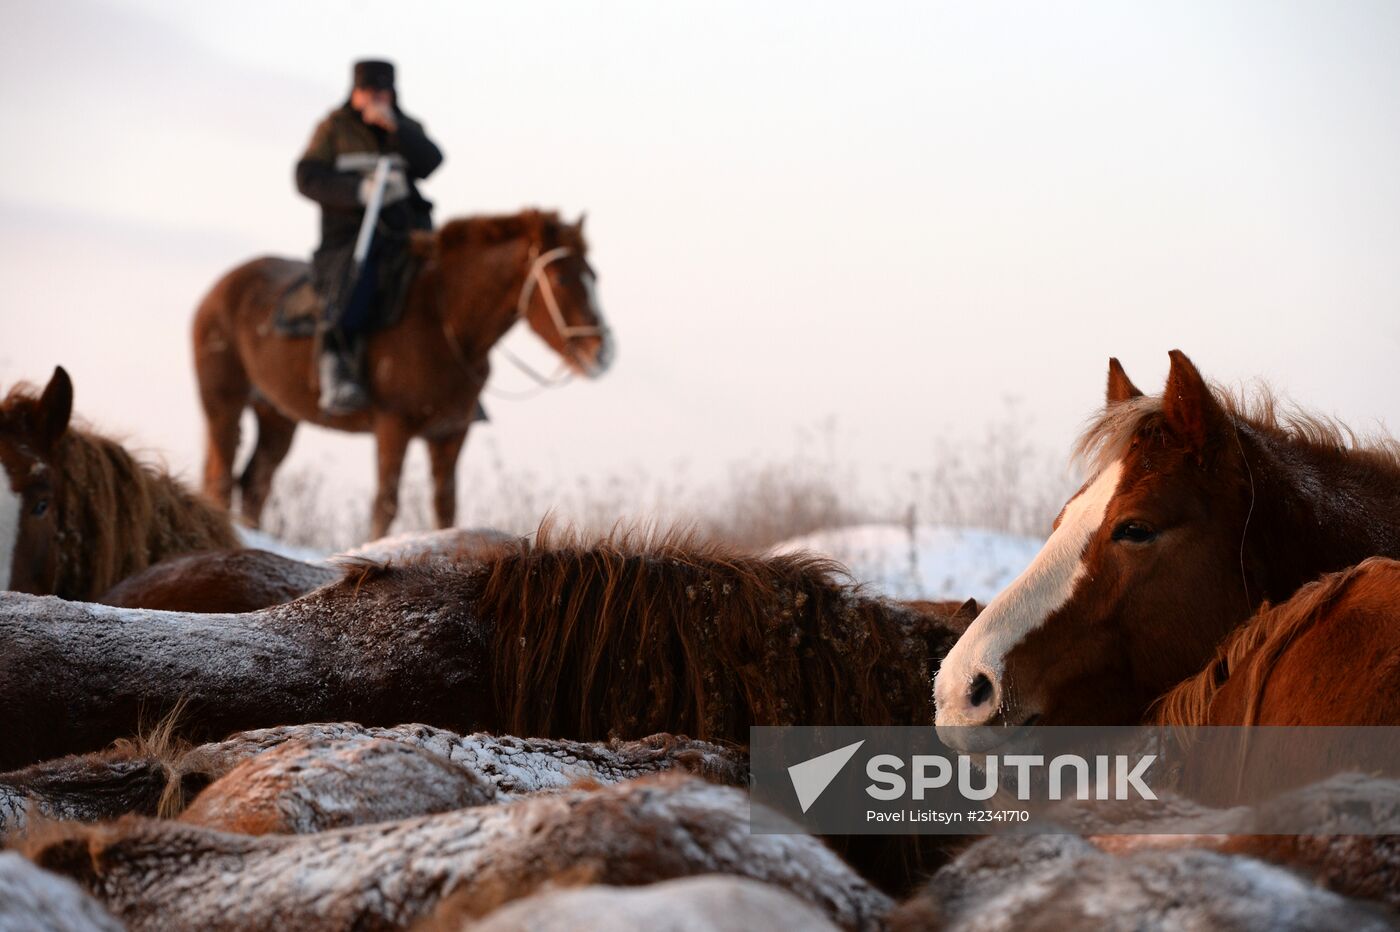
{"points": [[77, 511], [247, 580], [220, 581], [1365, 866], [31, 898], [157, 774], [622, 638], [477, 277], [1055, 882], [1330, 655], [164, 874], [1199, 510], [713, 903]]}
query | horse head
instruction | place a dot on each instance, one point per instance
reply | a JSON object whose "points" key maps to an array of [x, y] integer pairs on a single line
{"points": [[560, 297], [30, 431], [1136, 585]]}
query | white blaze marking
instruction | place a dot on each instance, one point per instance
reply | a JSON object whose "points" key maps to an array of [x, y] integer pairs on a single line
{"points": [[10, 505], [1044, 586]]}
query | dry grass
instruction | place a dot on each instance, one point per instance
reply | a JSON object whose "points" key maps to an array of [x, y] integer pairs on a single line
{"points": [[997, 481]]}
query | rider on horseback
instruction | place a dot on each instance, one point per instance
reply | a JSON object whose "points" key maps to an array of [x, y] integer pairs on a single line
{"points": [[338, 172]]}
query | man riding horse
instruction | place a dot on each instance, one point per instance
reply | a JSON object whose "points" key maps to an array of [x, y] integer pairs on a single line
{"points": [[339, 172]]}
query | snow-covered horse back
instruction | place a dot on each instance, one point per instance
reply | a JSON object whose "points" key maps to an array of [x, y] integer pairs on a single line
{"points": [[77, 512], [1199, 510]]}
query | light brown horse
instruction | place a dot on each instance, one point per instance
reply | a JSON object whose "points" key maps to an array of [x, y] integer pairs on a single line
{"points": [[478, 276], [77, 512], [1199, 510]]}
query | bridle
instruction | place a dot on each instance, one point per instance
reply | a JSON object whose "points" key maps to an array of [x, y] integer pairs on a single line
{"points": [[535, 278]]}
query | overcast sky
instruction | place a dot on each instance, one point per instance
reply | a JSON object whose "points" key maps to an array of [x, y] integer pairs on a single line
{"points": [[895, 215]]}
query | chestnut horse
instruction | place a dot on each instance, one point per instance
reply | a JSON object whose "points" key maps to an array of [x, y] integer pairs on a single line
{"points": [[1199, 510], [77, 512], [477, 277]]}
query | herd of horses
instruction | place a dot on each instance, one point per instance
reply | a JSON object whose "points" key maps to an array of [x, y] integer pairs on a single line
{"points": [[550, 731]]}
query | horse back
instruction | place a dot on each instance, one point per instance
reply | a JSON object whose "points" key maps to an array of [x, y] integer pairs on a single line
{"points": [[253, 286]]}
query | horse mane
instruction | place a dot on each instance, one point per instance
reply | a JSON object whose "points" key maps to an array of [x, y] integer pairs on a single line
{"points": [[493, 229], [116, 514], [1249, 654], [644, 629], [1111, 432]]}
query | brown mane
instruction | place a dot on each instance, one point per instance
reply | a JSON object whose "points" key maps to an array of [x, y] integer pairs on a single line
{"points": [[1249, 654], [492, 230], [594, 639], [1110, 432], [117, 515]]}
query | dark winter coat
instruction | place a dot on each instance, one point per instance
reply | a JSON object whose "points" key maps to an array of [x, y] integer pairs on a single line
{"points": [[328, 174]]}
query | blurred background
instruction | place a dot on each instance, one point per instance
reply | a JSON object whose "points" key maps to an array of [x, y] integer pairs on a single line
{"points": [[865, 263]]}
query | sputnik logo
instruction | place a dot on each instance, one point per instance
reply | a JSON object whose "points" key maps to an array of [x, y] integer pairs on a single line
{"points": [[811, 777]]}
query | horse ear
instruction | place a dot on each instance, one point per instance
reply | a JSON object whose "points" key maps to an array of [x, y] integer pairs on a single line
{"points": [[968, 611], [1188, 404], [581, 217], [54, 409], [1120, 387]]}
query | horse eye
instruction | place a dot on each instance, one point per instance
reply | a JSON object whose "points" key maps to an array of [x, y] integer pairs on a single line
{"points": [[39, 507], [1134, 532]]}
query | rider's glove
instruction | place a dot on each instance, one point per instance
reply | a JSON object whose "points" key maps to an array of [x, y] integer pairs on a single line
{"points": [[395, 187]]}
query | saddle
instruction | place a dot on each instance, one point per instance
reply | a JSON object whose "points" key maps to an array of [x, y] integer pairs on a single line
{"points": [[299, 310]]}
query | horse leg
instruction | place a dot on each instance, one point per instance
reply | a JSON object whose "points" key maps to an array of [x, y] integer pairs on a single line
{"points": [[391, 436], [223, 391], [275, 432], [443, 452]]}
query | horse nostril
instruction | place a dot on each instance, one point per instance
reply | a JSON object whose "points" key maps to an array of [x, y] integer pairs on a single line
{"points": [[980, 691]]}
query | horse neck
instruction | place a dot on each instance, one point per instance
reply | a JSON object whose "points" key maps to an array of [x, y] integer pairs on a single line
{"points": [[481, 293], [1316, 510]]}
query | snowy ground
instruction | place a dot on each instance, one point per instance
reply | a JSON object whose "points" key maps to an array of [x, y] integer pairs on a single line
{"points": [[263, 541], [933, 562]]}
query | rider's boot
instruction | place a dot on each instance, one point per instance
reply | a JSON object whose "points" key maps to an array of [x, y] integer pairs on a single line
{"points": [[342, 390]]}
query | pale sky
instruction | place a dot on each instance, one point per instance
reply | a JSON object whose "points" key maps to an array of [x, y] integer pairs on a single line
{"points": [[894, 215]]}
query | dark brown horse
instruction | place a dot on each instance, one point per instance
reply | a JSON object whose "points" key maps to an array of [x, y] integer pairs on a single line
{"points": [[220, 581], [1199, 510], [477, 277], [247, 580], [622, 638], [77, 511]]}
